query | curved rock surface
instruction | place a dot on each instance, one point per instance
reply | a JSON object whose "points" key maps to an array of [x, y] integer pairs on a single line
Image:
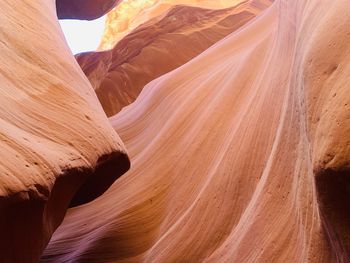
{"points": [[128, 15], [241, 155], [151, 50], [84, 9], [57, 147]]}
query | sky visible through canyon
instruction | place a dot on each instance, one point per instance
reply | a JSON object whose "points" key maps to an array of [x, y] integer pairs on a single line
{"points": [[81, 35]]}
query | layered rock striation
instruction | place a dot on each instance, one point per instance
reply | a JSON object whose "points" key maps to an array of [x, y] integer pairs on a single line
{"points": [[240, 155], [130, 14], [151, 50], [58, 149]]}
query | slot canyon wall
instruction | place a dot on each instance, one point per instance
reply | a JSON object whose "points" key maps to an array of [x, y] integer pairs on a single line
{"points": [[239, 148], [130, 14], [84, 9], [151, 50], [58, 149], [239, 155]]}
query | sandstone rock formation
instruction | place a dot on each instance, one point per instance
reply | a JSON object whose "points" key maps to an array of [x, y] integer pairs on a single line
{"points": [[240, 155], [130, 14], [84, 9], [151, 50], [57, 146]]}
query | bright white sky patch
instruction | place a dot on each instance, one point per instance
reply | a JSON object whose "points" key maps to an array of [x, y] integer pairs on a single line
{"points": [[83, 35]]}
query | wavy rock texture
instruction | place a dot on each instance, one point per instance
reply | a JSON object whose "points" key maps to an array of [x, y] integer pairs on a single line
{"points": [[57, 146], [223, 174], [84, 9], [130, 14], [241, 155], [117, 76]]}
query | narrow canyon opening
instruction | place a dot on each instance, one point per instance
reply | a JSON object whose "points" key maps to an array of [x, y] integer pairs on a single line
{"points": [[83, 35]]}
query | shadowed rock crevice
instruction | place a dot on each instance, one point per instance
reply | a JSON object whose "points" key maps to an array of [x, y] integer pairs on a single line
{"points": [[333, 191], [44, 211], [109, 168], [83, 9]]}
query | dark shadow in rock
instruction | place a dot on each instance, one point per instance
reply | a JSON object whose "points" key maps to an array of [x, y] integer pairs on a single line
{"points": [[333, 193]]}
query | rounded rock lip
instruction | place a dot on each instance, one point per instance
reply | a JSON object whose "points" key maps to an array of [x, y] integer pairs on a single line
{"points": [[45, 208]]}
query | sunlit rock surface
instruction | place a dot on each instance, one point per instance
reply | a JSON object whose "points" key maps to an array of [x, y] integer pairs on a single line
{"points": [[57, 146], [240, 155], [129, 14], [151, 50]]}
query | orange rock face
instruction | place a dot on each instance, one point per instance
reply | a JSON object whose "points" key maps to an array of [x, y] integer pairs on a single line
{"points": [[151, 50], [129, 14], [240, 155], [57, 146]]}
